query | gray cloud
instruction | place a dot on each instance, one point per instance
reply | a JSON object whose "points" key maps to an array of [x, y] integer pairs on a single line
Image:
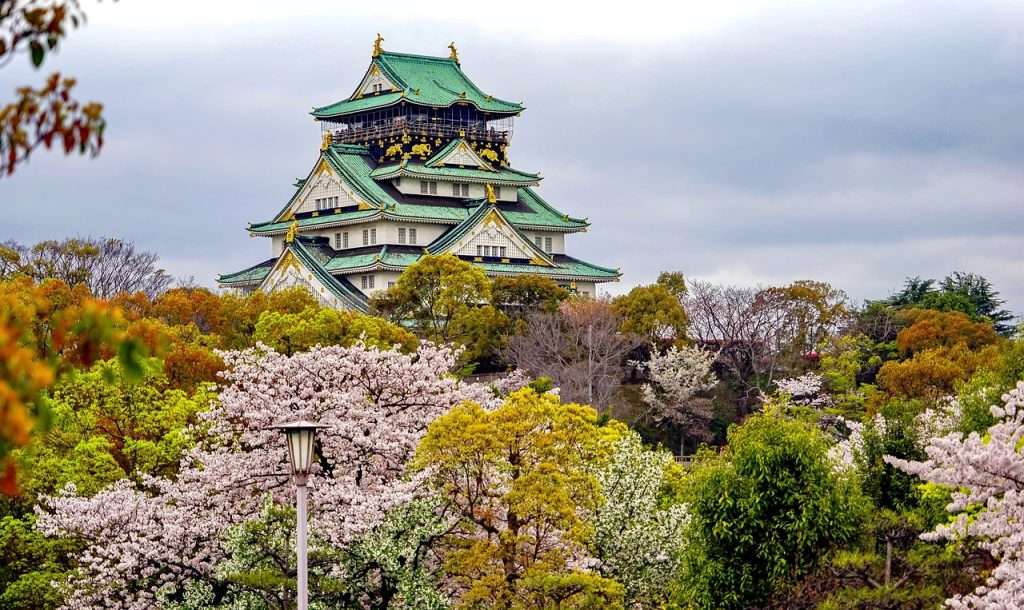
{"points": [[811, 143]]}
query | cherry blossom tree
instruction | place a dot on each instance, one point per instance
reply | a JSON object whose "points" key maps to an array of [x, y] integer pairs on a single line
{"points": [[677, 375], [807, 389], [148, 543], [986, 475]]}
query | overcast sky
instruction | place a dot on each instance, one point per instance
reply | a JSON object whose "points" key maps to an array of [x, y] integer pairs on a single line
{"points": [[751, 143]]}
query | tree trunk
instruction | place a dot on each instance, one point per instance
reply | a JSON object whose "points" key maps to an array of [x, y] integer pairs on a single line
{"points": [[888, 560]]}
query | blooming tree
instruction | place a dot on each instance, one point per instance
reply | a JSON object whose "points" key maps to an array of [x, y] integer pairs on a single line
{"points": [[636, 540], [144, 541], [676, 376], [986, 474], [807, 389]]}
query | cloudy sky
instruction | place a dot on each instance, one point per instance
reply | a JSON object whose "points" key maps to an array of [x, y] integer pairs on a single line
{"points": [[748, 143]]}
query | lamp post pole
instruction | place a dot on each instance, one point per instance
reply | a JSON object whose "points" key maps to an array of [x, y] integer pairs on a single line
{"points": [[301, 436], [301, 494]]}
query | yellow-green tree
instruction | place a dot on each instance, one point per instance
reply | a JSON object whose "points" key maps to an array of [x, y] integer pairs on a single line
{"points": [[518, 481], [447, 300], [653, 312], [296, 332]]}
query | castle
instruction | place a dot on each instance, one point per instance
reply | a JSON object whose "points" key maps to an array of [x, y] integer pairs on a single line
{"points": [[415, 161]]}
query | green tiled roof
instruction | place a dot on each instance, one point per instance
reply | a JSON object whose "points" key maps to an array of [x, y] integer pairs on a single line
{"points": [[314, 256], [531, 211], [246, 277], [568, 268], [482, 211], [503, 176], [429, 81], [355, 166]]}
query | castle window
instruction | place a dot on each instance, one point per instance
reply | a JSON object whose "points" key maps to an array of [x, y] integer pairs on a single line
{"points": [[538, 241], [401, 235], [326, 203], [337, 241], [344, 239], [547, 245], [391, 284], [460, 189], [433, 188], [412, 236], [366, 237], [501, 251], [373, 236], [423, 187], [497, 191], [428, 187]]}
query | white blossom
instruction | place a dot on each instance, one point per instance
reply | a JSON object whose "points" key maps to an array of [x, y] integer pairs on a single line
{"points": [[143, 541], [986, 474]]}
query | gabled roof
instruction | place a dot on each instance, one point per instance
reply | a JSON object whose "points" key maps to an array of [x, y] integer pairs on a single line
{"points": [[351, 164], [458, 152], [505, 176], [312, 253], [484, 213], [438, 82], [566, 268], [355, 167], [248, 276]]}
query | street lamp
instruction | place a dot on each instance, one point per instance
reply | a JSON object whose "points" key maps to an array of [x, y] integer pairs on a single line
{"points": [[300, 436]]}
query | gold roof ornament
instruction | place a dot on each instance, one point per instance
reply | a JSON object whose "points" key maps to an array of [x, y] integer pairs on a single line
{"points": [[377, 49], [327, 140], [293, 230], [491, 197], [454, 56]]}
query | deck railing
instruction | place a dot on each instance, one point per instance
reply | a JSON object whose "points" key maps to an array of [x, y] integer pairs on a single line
{"points": [[432, 129]]}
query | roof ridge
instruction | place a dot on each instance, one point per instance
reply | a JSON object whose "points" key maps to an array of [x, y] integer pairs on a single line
{"points": [[441, 58]]}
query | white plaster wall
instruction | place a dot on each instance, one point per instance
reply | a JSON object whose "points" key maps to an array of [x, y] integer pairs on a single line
{"points": [[557, 240], [380, 280]]}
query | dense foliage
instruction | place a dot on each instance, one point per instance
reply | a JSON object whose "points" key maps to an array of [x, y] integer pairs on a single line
{"points": [[835, 438]]}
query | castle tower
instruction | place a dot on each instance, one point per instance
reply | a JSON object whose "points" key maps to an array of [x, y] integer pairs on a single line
{"points": [[414, 161]]}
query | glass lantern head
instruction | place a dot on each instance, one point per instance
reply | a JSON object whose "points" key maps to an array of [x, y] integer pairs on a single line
{"points": [[301, 436]]}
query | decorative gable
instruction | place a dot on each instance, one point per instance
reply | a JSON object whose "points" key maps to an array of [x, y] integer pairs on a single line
{"points": [[493, 236], [459, 153], [324, 191], [289, 272], [374, 82]]}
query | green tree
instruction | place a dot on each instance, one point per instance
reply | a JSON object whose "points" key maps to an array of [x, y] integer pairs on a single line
{"points": [[653, 312], [763, 513], [519, 480], [107, 426], [979, 291], [447, 300], [296, 332], [968, 293], [518, 296], [29, 565]]}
